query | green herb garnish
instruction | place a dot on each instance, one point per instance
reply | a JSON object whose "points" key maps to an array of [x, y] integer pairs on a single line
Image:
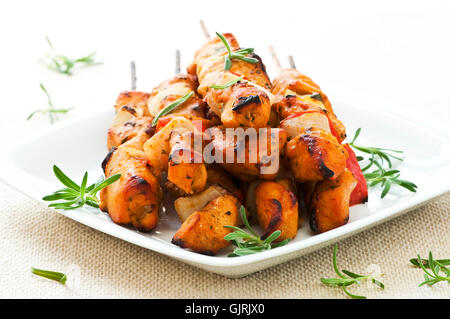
{"points": [[169, 108], [436, 267], [251, 243], [53, 275], [344, 281], [75, 196], [51, 111], [382, 173], [240, 54], [62, 64], [228, 84]]}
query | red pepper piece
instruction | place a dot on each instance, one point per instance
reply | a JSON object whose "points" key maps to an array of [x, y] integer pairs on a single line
{"points": [[360, 194]]}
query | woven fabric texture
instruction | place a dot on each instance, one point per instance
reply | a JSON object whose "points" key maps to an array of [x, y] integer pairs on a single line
{"points": [[101, 266]]}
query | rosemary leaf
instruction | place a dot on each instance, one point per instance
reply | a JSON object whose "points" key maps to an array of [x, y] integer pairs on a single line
{"points": [[75, 196], [352, 278], [250, 243], [53, 275], [241, 54], [169, 108], [382, 174]]}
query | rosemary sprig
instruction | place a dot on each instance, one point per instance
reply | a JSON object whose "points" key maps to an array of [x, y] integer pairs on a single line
{"points": [[251, 243], [62, 64], [343, 281], [75, 196], [415, 262], [436, 267], [228, 84], [51, 111], [169, 108], [240, 54], [53, 275], [381, 163]]}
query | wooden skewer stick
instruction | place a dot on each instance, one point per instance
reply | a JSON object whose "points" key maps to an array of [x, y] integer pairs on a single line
{"points": [[133, 76], [204, 29], [275, 58], [291, 62], [177, 62]]}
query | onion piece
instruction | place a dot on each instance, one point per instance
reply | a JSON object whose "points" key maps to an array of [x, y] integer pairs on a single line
{"points": [[296, 124], [185, 206]]}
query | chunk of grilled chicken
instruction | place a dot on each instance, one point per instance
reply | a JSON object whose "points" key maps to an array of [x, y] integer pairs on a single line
{"points": [[186, 169], [117, 135], [157, 148], [171, 149], [171, 90], [243, 156], [277, 208], [135, 101], [315, 155], [204, 230], [313, 152], [297, 92], [132, 117], [135, 198], [329, 206], [243, 104]]}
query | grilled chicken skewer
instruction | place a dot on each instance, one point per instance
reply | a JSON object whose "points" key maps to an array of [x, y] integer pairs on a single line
{"points": [[303, 95], [277, 208], [172, 149], [314, 151], [204, 215], [247, 103], [135, 198], [328, 197], [132, 115]]}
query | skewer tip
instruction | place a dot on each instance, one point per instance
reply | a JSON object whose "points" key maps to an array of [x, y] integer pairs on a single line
{"points": [[204, 29], [275, 58], [133, 75], [291, 62], [177, 62]]}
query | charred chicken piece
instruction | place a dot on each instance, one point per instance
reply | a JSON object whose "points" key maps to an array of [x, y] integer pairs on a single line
{"points": [[135, 101], [248, 161], [172, 149], [330, 202], [135, 198], [186, 169], [117, 135], [204, 230], [132, 118], [277, 209], [315, 155], [171, 90]]}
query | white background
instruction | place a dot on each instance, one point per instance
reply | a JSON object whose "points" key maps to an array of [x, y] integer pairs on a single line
{"points": [[381, 52]]}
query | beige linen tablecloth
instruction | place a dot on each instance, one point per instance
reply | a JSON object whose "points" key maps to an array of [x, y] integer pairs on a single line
{"points": [[385, 51], [101, 266]]}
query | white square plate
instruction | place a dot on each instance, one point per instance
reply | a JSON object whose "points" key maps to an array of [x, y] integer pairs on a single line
{"points": [[80, 144]]}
